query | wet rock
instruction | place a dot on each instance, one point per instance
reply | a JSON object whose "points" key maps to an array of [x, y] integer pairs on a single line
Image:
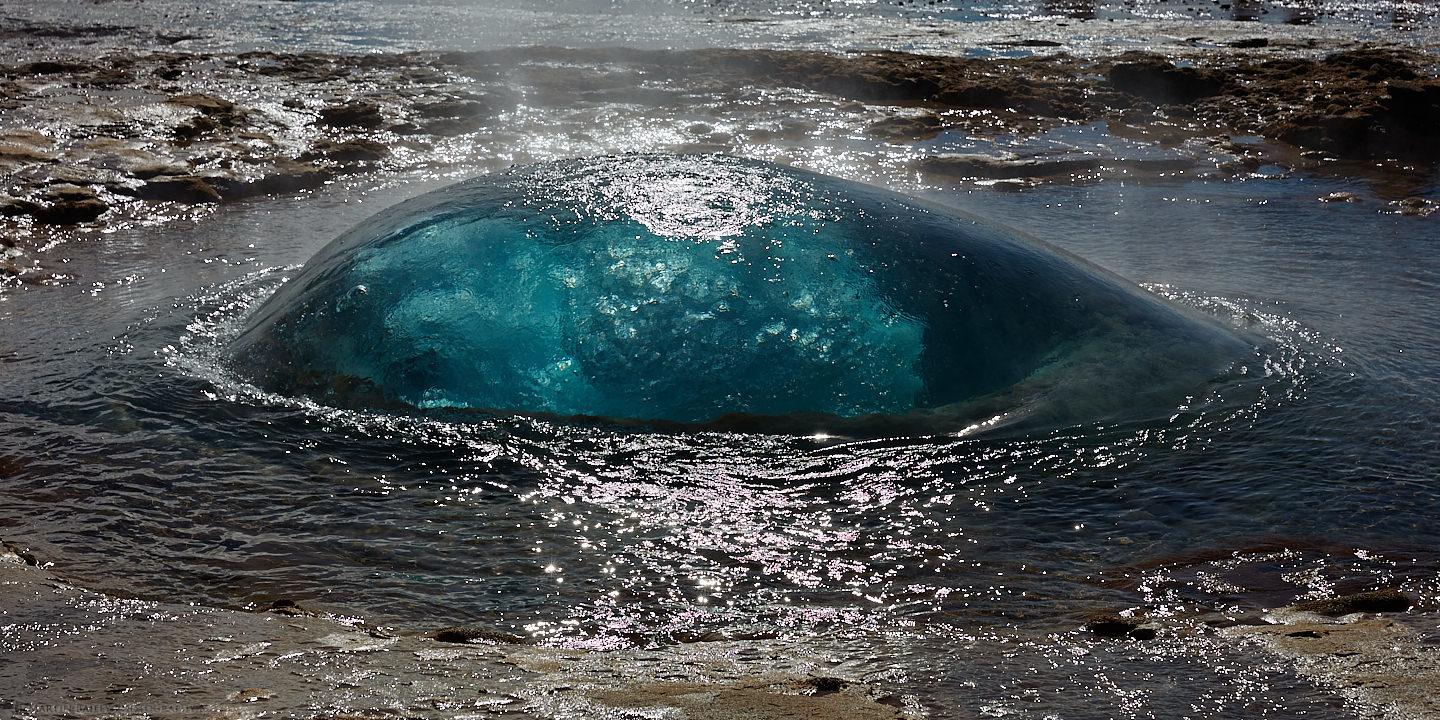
{"points": [[1112, 625], [71, 212], [827, 684], [1371, 64], [474, 636], [30, 138], [121, 156], [67, 192], [51, 67], [251, 695], [288, 608], [1346, 133], [60, 205], [196, 128], [15, 207], [361, 114], [348, 152], [1373, 601], [156, 169], [903, 129], [1416, 206], [1373, 104], [1249, 43], [880, 76], [1412, 112], [186, 189], [285, 176], [216, 116], [16, 550], [890, 699], [205, 104], [107, 77], [1015, 94], [1035, 43], [19, 148], [1157, 80]]}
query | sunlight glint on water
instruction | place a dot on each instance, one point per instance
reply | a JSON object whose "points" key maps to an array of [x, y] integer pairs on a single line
{"points": [[957, 568]]}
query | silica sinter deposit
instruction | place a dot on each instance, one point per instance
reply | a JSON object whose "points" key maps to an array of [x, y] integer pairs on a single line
{"points": [[671, 359]]}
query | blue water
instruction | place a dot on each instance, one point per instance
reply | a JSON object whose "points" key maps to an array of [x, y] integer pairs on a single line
{"points": [[691, 288], [141, 463]]}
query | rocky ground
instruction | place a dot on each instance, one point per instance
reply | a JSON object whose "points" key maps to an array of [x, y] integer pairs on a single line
{"points": [[105, 656], [85, 143], [111, 657]]}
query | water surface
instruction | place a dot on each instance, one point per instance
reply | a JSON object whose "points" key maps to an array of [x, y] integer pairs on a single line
{"points": [[958, 567]]}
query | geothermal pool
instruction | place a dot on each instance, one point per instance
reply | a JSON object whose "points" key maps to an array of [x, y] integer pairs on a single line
{"points": [[954, 563], [183, 480], [690, 289]]}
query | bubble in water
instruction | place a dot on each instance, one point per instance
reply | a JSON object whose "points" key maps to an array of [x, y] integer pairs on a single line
{"points": [[694, 289]]}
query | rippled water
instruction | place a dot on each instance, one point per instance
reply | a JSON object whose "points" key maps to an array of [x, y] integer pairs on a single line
{"points": [[136, 460]]}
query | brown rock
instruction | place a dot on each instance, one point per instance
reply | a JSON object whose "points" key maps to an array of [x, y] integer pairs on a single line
{"points": [[902, 129], [1157, 80], [150, 170], [473, 635], [287, 176], [827, 684], [185, 189], [15, 155], [349, 151], [64, 191], [1110, 625], [107, 77], [15, 207], [1416, 206], [1373, 601], [365, 115], [288, 608], [70, 212], [206, 104], [49, 67], [196, 128], [1371, 64], [1114, 626]]}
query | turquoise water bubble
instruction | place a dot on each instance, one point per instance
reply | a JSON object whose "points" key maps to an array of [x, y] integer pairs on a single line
{"points": [[695, 289]]}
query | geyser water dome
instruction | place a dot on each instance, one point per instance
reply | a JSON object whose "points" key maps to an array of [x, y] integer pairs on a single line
{"points": [[712, 289]]}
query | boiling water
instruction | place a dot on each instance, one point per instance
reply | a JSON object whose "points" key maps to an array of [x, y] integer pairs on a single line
{"points": [[141, 466], [958, 566]]}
